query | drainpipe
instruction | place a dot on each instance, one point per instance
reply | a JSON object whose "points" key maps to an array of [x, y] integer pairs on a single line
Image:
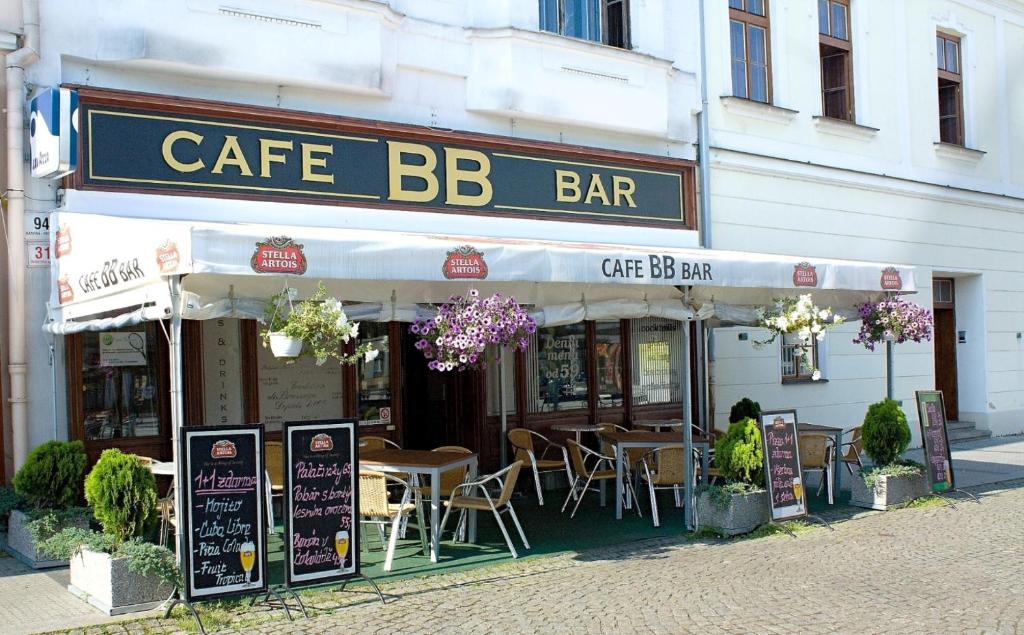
{"points": [[17, 62], [705, 220]]}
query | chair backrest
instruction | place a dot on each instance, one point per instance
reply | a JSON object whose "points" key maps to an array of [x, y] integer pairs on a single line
{"points": [[453, 478], [669, 466], [606, 427], [373, 495], [576, 456], [377, 443], [813, 450], [145, 460], [273, 454], [511, 474], [522, 441], [856, 445]]}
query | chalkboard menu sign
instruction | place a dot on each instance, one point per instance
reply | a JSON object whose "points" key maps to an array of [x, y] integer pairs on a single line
{"points": [[320, 501], [224, 511], [782, 464], [931, 412]]}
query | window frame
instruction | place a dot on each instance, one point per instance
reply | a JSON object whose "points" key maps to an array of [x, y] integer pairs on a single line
{"points": [[799, 376], [602, 18], [948, 78], [748, 19], [837, 46]]}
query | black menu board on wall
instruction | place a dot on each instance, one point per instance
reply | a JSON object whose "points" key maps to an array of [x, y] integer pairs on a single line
{"points": [[931, 412], [223, 511], [320, 501], [782, 473]]}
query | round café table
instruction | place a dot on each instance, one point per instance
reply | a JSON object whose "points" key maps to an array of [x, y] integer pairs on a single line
{"points": [[578, 428], [658, 424]]}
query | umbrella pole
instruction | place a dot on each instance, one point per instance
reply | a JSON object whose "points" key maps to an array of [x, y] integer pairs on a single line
{"points": [[177, 406], [502, 380]]}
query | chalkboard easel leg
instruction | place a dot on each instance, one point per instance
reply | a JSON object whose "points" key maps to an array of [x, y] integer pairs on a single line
{"points": [[179, 600], [370, 581], [783, 528], [290, 591], [822, 521], [284, 605], [968, 495]]}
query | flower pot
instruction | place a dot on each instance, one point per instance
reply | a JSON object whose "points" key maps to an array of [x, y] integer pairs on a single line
{"points": [[108, 584], [742, 514], [21, 545], [282, 345], [888, 491]]}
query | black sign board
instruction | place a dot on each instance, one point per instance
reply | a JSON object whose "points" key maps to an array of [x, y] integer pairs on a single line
{"points": [[782, 464], [223, 510], [321, 525], [350, 162], [931, 412]]}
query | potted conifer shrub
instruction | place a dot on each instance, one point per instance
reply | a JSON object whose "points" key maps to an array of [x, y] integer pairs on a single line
{"points": [[741, 505], [889, 481], [46, 489], [116, 570]]}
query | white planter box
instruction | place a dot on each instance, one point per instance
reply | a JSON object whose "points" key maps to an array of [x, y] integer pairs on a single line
{"points": [[21, 546], [888, 491], [107, 584], [743, 514]]}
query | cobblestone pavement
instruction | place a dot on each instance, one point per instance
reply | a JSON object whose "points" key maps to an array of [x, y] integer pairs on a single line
{"points": [[926, 570]]}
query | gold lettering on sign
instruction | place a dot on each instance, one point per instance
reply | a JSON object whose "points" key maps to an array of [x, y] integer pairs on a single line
{"points": [[168, 151], [231, 154], [596, 189], [397, 169], [623, 187], [454, 175], [567, 186], [309, 161], [267, 157]]}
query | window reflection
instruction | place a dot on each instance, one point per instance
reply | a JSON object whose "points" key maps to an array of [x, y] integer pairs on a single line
{"points": [[120, 386], [374, 377]]}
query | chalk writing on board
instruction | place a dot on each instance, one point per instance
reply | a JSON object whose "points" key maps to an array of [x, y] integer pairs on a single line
{"points": [[782, 464]]}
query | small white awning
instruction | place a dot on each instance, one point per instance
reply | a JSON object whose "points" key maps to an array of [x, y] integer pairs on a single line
{"points": [[106, 264]]}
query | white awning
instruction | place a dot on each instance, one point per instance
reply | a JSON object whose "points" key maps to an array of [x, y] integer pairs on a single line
{"points": [[107, 263]]}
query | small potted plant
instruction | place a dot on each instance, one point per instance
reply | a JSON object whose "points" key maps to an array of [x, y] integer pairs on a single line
{"points": [[889, 481], [316, 326], [46, 492], [116, 570], [741, 505]]}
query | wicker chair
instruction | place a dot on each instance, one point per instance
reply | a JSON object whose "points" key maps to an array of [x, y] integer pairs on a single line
{"points": [[607, 427], [374, 509], [522, 440], [462, 500], [377, 443], [815, 456], [663, 468], [850, 451], [274, 457], [579, 455]]}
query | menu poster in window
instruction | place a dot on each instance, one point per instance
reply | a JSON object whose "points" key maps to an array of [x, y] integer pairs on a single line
{"points": [[120, 348], [224, 511], [782, 464], [931, 412], [298, 391], [320, 501]]}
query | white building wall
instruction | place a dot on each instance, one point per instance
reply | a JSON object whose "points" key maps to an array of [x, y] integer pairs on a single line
{"points": [[785, 181]]}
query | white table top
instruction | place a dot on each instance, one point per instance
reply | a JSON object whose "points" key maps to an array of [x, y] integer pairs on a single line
{"points": [[659, 423], [575, 427], [162, 468]]}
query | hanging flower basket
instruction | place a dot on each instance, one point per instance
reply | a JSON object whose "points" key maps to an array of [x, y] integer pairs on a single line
{"points": [[457, 337], [893, 320], [316, 326], [801, 317]]}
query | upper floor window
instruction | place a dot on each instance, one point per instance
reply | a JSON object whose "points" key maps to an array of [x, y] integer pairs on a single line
{"points": [[750, 49], [605, 21], [951, 108], [798, 359], [836, 59]]}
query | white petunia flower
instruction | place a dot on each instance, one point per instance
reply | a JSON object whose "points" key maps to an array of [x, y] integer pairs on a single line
{"points": [[816, 375], [371, 355]]}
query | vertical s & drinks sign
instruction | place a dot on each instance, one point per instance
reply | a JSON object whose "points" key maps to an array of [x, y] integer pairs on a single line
{"points": [[224, 511], [320, 501]]}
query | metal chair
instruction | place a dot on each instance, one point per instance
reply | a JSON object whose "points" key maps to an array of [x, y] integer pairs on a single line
{"points": [[850, 451], [815, 456], [522, 440], [579, 455], [462, 500], [668, 473], [377, 443], [606, 427], [374, 509]]}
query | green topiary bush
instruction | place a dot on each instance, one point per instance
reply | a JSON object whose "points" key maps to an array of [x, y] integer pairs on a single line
{"points": [[122, 493], [51, 477], [885, 433], [738, 454], [743, 409]]}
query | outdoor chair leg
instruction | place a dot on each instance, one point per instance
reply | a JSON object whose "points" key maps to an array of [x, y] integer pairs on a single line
{"points": [[392, 541], [572, 492], [536, 481], [460, 529], [676, 492], [504, 532], [582, 494], [519, 528], [444, 522], [568, 473], [654, 504]]}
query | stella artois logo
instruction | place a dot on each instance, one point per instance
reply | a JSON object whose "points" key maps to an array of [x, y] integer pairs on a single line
{"points": [[65, 292], [278, 254], [321, 443], [805, 275], [223, 449], [62, 244], [167, 257], [464, 263], [891, 280], [778, 422]]}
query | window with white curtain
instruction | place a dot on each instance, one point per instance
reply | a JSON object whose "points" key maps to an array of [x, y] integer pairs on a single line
{"points": [[656, 354]]}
